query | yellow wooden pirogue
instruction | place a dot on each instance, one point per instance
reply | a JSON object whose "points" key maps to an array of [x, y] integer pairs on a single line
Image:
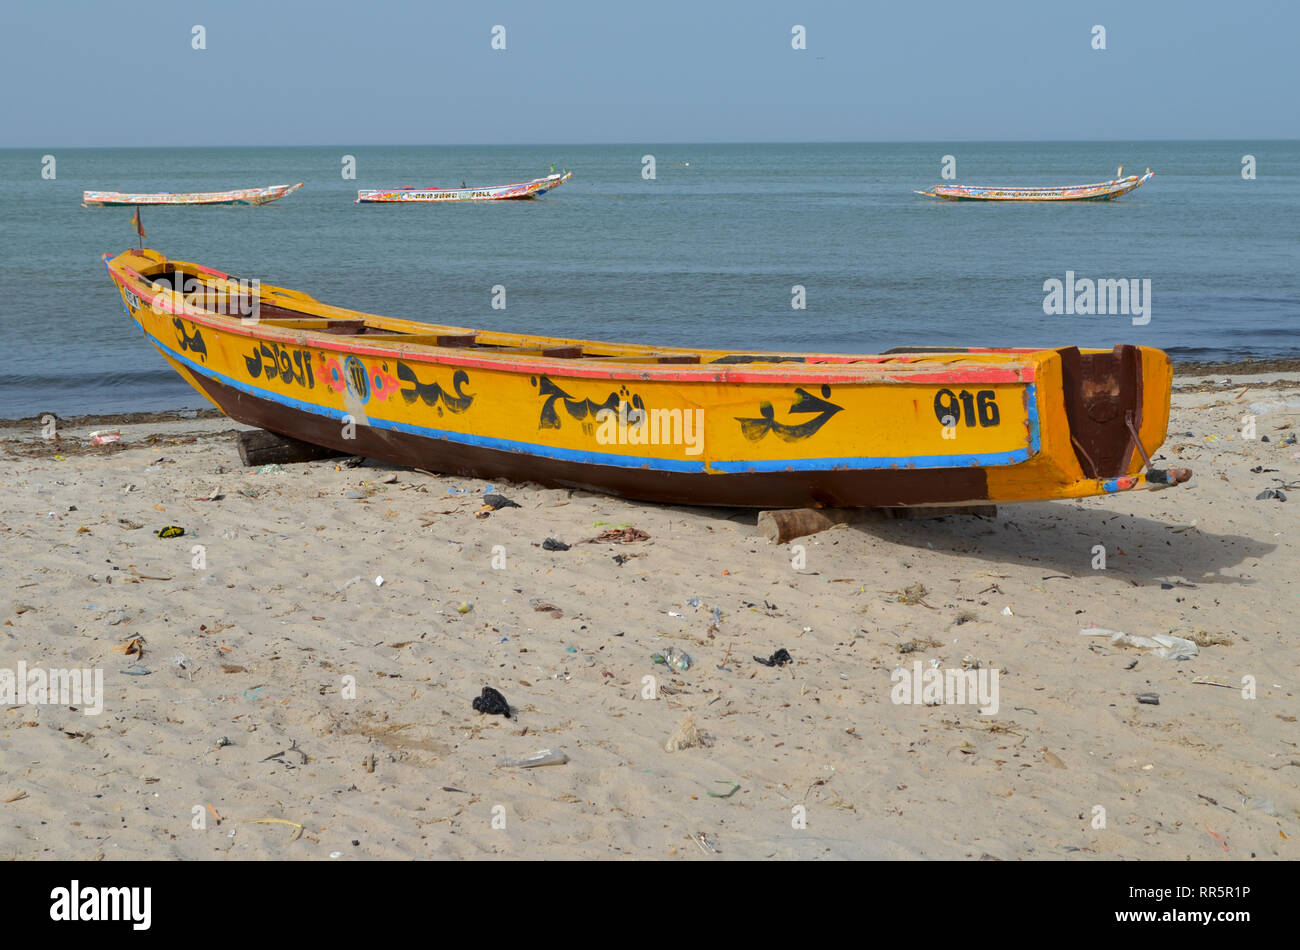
{"points": [[909, 427]]}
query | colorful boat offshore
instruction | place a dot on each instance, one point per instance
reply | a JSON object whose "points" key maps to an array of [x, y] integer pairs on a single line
{"points": [[685, 426], [242, 196], [1099, 191], [522, 189]]}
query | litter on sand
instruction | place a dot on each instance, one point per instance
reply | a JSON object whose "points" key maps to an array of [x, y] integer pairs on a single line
{"points": [[621, 536], [673, 658], [134, 646], [297, 828], [1162, 644], [538, 759], [780, 658], [686, 736], [492, 703]]}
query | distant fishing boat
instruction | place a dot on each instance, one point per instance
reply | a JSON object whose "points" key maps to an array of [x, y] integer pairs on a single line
{"points": [[1099, 191], [522, 189], [241, 196], [918, 426]]}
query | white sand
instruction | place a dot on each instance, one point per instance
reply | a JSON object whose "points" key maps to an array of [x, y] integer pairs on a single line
{"points": [[273, 623]]}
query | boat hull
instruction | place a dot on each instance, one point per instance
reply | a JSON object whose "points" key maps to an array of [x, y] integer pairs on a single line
{"points": [[1100, 191], [884, 488], [514, 192], [244, 196], [677, 426]]}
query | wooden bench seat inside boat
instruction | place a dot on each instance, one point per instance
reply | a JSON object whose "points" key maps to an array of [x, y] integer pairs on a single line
{"points": [[337, 327], [663, 358]]}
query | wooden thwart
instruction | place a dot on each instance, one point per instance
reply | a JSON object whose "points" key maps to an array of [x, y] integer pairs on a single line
{"points": [[786, 524], [259, 447]]}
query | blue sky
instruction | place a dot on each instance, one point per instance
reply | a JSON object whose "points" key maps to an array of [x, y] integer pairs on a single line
{"points": [[123, 73]]}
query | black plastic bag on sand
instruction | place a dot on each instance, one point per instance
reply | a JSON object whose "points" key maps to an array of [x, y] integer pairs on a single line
{"points": [[492, 703], [779, 658]]}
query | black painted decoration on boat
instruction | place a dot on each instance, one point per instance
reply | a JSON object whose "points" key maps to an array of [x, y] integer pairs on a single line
{"points": [[432, 393], [580, 410], [805, 402], [186, 341], [357, 379], [279, 362]]}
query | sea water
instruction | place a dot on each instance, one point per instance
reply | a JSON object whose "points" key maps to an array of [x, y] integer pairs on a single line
{"points": [[746, 247]]}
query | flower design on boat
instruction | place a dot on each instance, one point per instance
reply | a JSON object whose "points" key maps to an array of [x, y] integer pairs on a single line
{"points": [[332, 373], [382, 384]]}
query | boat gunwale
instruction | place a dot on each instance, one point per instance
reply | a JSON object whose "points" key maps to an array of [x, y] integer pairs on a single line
{"points": [[832, 368], [1096, 184]]}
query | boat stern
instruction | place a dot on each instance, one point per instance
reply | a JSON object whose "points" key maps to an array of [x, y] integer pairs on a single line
{"points": [[1105, 413]]}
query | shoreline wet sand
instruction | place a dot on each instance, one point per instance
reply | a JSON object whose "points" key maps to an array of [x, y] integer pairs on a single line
{"points": [[314, 640]]}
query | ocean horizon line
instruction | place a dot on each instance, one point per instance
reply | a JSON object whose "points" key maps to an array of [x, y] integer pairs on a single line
{"points": [[644, 142]]}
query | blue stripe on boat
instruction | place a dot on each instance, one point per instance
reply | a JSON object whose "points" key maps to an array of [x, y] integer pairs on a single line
{"points": [[653, 464]]}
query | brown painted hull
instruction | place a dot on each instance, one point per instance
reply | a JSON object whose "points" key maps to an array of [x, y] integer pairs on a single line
{"points": [[840, 489]]}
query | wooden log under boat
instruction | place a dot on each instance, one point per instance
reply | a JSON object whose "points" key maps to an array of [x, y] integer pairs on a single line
{"points": [[920, 427], [787, 524], [259, 447]]}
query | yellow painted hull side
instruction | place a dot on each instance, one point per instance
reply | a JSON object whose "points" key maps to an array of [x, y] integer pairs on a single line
{"points": [[827, 419]]}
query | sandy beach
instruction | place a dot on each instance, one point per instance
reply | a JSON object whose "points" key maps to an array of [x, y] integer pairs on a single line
{"points": [[309, 649]]}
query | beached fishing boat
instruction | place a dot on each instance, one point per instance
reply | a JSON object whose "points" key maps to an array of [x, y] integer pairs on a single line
{"points": [[521, 189], [242, 196], [911, 427], [1099, 191]]}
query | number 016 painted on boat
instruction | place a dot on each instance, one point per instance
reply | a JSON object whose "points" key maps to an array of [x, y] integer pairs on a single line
{"points": [[978, 408]]}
